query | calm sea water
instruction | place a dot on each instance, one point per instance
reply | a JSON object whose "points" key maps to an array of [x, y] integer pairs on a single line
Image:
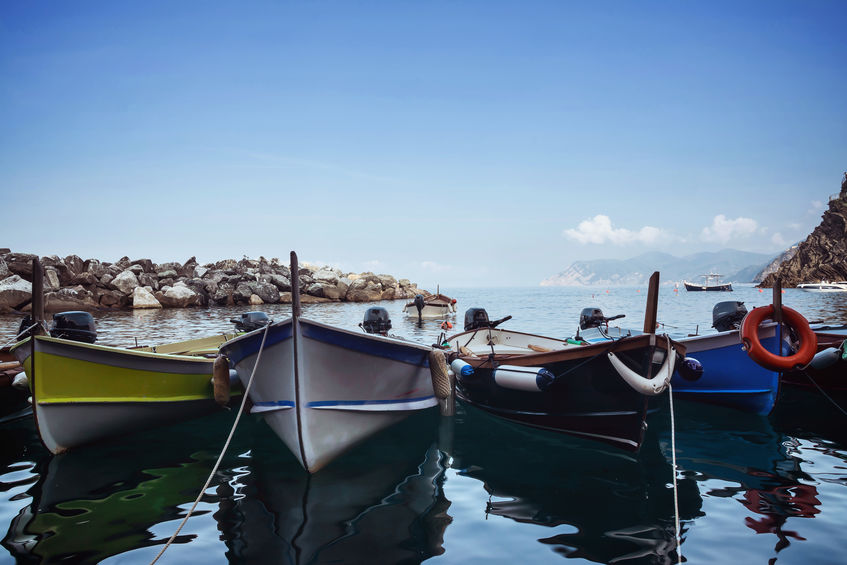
{"points": [[475, 489]]}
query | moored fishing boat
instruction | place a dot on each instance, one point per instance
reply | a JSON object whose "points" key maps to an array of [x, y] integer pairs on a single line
{"points": [[717, 369], [597, 391], [83, 393], [711, 283], [324, 389], [434, 306]]}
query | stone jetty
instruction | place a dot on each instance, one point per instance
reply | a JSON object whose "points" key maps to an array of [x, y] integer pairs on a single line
{"points": [[73, 283]]}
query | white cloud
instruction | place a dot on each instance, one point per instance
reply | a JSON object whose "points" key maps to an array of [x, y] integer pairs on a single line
{"points": [[434, 267], [599, 230], [723, 229], [778, 240], [817, 207]]}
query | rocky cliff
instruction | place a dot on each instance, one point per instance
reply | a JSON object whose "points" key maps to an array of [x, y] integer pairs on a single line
{"points": [[72, 283], [823, 255]]}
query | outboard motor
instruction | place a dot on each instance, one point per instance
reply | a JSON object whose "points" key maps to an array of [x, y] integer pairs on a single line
{"points": [[728, 315], [594, 318], [376, 321], [476, 318], [75, 325], [250, 321], [419, 303], [591, 318]]}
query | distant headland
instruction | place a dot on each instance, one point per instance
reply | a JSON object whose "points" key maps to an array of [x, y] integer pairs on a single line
{"points": [[73, 283]]}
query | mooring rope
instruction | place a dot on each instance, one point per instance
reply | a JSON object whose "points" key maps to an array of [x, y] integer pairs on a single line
{"points": [[223, 451], [17, 337], [821, 390], [673, 465]]}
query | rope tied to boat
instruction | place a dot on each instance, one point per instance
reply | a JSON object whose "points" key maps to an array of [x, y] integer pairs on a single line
{"points": [[23, 332], [223, 450], [673, 469]]}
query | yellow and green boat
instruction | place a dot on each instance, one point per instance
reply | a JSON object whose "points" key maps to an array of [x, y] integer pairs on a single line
{"points": [[83, 393]]}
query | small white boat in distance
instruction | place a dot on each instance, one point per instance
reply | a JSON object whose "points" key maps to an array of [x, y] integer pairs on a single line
{"points": [[430, 307], [324, 389], [824, 286]]}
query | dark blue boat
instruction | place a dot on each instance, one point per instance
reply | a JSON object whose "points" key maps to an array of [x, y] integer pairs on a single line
{"points": [[717, 369]]}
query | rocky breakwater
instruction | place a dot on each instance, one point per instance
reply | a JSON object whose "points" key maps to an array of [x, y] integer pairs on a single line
{"points": [[73, 283], [823, 255]]}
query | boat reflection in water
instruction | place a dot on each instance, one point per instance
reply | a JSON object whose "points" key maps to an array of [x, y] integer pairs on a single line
{"points": [[751, 462], [618, 505], [103, 501], [380, 503]]}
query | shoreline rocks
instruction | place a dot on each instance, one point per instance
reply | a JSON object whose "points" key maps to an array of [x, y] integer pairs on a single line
{"points": [[71, 283]]}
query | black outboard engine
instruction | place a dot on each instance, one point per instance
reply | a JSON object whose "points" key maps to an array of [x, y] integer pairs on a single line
{"points": [[250, 321], [591, 318], [728, 315], [75, 325], [476, 318], [419, 303], [376, 321]]}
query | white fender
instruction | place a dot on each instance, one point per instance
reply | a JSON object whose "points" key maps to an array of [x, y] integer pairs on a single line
{"points": [[656, 385], [20, 381], [532, 379], [462, 368]]}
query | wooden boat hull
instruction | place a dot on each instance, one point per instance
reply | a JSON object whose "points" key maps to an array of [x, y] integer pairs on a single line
{"points": [[730, 377], [589, 398], [323, 389], [84, 393]]}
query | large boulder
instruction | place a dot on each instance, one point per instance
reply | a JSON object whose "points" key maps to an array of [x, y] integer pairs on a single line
{"points": [[177, 296], [70, 298], [326, 276], [85, 278], [266, 291], [280, 281], [51, 279], [75, 264], [15, 292], [4, 269], [364, 290], [95, 267], [187, 269], [143, 298], [242, 293], [126, 282], [146, 264], [112, 298], [149, 279], [20, 264]]}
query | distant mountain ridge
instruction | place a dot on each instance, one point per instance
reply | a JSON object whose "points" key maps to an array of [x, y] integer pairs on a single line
{"points": [[734, 265]]}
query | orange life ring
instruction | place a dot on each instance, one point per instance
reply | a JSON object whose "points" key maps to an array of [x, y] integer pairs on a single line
{"points": [[792, 318], [446, 325]]}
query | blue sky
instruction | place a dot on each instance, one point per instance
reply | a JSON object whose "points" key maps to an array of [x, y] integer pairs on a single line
{"points": [[452, 143]]}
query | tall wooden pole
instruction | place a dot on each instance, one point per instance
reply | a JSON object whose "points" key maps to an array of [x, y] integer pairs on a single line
{"points": [[652, 304], [37, 292], [295, 286], [777, 301]]}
